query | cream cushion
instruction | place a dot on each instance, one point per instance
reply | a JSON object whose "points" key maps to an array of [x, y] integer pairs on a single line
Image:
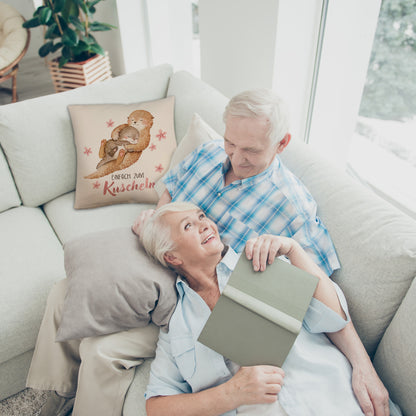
{"points": [[13, 35]]}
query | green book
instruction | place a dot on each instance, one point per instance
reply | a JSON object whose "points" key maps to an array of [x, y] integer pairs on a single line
{"points": [[259, 314]]}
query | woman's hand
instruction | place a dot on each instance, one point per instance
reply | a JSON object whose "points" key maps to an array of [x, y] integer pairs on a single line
{"points": [[255, 385], [141, 219], [264, 249]]}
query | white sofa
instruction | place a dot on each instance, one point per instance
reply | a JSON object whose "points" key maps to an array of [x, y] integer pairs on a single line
{"points": [[376, 244]]}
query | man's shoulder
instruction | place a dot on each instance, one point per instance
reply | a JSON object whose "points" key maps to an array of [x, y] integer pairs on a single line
{"points": [[212, 146], [210, 151], [287, 182]]}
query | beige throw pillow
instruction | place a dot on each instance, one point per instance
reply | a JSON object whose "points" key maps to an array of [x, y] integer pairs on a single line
{"points": [[122, 150]]}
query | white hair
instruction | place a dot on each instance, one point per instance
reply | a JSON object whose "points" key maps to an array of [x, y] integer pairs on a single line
{"points": [[261, 103], [156, 236]]}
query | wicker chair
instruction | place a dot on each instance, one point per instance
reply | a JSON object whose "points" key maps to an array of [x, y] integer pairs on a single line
{"points": [[14, 42]]}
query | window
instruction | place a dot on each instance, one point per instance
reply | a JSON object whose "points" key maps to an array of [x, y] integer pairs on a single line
{"points": [[383, 147]]}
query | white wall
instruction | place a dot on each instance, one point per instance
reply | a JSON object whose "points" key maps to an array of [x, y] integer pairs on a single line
{"points": [[170, 33], [238, 42]]}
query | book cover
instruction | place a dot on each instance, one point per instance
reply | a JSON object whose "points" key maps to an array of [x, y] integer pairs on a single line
{"points": [[259, 314]]}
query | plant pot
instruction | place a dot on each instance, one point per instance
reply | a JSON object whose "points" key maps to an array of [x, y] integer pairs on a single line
{"points": [[78, 74]]}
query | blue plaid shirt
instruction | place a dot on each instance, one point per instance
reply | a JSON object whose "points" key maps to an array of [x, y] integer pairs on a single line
{"points": [[272, 202]]}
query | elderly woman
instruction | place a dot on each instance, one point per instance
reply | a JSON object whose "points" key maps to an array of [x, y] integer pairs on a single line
{"points": [[187, 378]]}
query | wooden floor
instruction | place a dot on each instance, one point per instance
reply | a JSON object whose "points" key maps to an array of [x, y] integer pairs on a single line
{"points": [[33, 80]]}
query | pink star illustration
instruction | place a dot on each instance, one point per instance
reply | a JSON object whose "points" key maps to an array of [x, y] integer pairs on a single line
{"points": [[110, 123], [96, 185], [87, 150], [159, 168], [161, 135], [152, 147]]}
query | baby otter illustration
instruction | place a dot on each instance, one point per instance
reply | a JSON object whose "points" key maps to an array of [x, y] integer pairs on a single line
{"points": [[126, 144], [124, 136]]}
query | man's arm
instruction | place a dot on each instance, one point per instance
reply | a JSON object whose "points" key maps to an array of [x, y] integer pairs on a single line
{"points": [[368, 388]]}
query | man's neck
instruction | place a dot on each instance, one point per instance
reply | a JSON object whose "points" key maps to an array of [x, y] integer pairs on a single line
{"points": [[230, 177]]}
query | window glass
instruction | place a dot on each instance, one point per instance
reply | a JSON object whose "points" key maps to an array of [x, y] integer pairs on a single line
{"points": [[383, 149]]}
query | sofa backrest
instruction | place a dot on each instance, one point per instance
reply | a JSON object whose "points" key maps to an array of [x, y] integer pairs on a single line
{"points": [[376, 245], [9, 196], [36, 135], [375, 242], [194, 96]]}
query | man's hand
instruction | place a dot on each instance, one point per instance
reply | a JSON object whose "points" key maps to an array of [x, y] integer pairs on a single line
{"points": [[264, 249], [141, 219], [370, 392], [255, 385]]}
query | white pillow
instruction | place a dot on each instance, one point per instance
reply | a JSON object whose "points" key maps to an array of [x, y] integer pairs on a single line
{"points": [[198, 132]]}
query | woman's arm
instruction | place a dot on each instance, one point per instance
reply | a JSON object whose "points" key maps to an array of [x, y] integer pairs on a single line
{"points": [[250, 385]]}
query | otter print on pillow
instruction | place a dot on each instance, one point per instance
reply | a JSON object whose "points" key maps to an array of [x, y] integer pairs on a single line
{"points": [[122, 150]]}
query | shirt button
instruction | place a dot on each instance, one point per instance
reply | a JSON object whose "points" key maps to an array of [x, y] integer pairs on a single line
{"points": [[219, 194]]}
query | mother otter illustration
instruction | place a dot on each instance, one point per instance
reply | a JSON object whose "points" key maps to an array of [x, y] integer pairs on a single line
{"points": [[126, 144]]}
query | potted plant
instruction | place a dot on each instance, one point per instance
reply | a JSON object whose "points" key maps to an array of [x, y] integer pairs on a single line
{"points": [[68, 32]]}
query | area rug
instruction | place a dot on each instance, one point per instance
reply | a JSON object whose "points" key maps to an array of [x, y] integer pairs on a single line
{"points": [[26, 403]]}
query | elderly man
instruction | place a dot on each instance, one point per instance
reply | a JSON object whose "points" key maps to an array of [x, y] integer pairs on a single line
{"points": [[241, 185]]}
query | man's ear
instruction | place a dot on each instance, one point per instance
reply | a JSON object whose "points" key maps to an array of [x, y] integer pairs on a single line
{"points": [[172, 259], [283, 143]]}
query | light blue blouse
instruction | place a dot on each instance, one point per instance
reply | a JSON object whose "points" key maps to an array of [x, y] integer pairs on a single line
{"points": [[317, 375]]}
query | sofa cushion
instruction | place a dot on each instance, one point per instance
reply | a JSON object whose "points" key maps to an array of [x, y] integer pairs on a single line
{"points": [[195, 96], [31, 260], [122, 150], [134, 404], [394, 359], [37, 137], [69, 223], [9, 196], [374, 241], [113, 286]]}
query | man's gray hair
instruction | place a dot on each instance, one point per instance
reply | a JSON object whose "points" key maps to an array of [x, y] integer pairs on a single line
{"points": [[261, 103], [156, 236]]}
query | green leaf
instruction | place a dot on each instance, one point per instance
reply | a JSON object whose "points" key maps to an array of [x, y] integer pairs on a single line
{"points": [[52, 31], [96, 48], [58, 5], [62, 61], [70, 9], [45, 49], [57, 46], [44, 15], [66, 52], [100, 27], [82, 6], [34, 22], [77, 23], [70, 37], [82, 47]]}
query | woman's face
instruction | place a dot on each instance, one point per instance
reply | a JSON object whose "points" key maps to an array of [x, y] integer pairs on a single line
{"points": [[195, 236]]}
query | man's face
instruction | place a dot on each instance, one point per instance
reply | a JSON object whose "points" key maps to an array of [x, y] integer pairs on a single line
{"points": [[247, 146]]}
